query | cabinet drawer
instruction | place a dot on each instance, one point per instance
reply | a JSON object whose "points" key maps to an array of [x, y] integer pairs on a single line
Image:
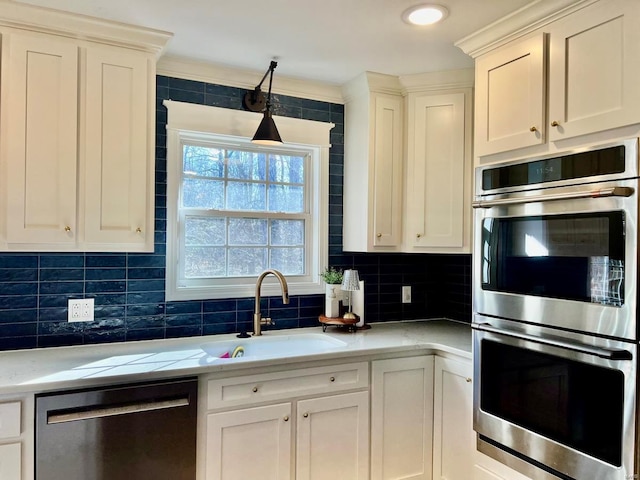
{"points": [[229, 392], [9, 420]]}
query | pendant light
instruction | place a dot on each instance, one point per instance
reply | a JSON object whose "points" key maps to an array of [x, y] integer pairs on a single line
{"points": [[254, 100]]}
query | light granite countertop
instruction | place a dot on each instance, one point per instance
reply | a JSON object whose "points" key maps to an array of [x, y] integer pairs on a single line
{"points": [[46, 369]]}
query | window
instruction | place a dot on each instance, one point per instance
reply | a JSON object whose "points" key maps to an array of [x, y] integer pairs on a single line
{"points": [[235, 209]]}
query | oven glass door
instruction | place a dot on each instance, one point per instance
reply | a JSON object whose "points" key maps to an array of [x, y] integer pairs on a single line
{"points": [[563, 399], [576, 256], [573, 403]]}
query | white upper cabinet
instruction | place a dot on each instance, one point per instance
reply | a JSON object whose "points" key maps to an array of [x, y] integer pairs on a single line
{"points": [[77, 127], [592, 49], [373, 164], [39, 117], [439, 168], [118, 166], [594, 69], [510, 102], [408, 164]]}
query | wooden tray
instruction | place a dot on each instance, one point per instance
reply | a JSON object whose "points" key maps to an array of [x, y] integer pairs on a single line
{"points": [[347, 323]]}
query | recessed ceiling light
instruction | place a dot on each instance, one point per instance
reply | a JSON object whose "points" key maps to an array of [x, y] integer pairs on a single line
{"points": [[424, 14]]}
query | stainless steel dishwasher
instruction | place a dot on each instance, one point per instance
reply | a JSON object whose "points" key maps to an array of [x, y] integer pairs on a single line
{"points": [[128, 432]]}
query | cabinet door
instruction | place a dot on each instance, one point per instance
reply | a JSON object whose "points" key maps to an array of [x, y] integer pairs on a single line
{"points": [[387, 171], [510, 97], [249, 443], [453, 436], [401, 418], [333, 438], [118, 167], [593, 70], [40, 118], [436, 171], [10, 461]]}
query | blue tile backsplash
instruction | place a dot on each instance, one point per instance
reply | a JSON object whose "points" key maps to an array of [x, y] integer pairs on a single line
{"points": [[129, 288]]}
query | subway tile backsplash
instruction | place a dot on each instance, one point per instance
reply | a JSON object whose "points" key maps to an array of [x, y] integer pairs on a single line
{"points": [[129, 288]]}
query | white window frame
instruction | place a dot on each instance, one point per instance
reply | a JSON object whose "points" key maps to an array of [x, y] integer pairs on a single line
{"points": [[192, 123]]}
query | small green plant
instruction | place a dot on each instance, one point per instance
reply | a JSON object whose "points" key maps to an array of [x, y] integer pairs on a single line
{"points": [[332, 276]]}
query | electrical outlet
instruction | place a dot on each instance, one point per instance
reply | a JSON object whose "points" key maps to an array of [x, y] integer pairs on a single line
{"points": [[406, 294], [80, 310]]}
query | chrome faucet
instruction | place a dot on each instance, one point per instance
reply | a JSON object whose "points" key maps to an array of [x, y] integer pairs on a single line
{"points": [[258, 321]]}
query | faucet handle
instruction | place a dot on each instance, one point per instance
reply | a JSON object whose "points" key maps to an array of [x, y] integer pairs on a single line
{"points": [[267, 321]]}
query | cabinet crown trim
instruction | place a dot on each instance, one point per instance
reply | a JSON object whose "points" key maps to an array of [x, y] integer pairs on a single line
{"points": [[438, 81], [517, 24], [371, 82], [56, 22]]}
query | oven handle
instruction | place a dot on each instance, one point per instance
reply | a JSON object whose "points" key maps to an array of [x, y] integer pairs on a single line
{"points": [[598, 352], [604, 192]]}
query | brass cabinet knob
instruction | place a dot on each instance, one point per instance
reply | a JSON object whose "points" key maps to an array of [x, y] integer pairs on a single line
{"points": [[305, 415], [286, 418], [533, 129], [332, 379], [468, 380], [67, 228], [254, 389], [418, 235], [379, 235], [138, 230], [554, 124]]}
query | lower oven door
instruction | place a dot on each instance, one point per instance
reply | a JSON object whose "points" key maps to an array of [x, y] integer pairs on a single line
{"points": [[563, 402]]}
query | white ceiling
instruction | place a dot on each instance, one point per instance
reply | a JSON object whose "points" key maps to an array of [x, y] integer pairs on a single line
{"points": [[331, 41]]}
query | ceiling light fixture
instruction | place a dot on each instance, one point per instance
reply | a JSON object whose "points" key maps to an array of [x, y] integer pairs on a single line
{"points": [[254, 100], [424, 14]]}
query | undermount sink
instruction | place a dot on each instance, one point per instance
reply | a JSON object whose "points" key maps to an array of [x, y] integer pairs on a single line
{"points": [[279, 346]]}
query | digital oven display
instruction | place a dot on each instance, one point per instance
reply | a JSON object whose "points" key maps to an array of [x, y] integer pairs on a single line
{"points": [[579, 165]]}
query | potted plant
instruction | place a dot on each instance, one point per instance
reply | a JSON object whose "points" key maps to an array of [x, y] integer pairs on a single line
{"points": [[333, 294]]}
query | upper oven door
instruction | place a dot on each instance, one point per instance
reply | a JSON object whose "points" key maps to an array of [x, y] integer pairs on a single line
{"points": [[562, 256], [564, 400]]}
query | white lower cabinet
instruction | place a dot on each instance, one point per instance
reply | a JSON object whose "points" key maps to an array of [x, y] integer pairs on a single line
{"points": [[453, 435], [317, 430], [16, 437], [333, 438], [10, 461], [401, 418], [250, 443]]}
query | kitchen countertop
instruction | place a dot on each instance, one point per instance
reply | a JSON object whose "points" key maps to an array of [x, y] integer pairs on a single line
{"points": [[46, 369]]}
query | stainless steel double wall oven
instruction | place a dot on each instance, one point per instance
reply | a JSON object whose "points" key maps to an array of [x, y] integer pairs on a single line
{"points": [[555, 307]]}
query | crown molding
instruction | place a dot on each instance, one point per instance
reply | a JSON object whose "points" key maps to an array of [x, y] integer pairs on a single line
{"points": [[438, 81], [371, 82], [83, 27], [517, 24], [190, 69]]}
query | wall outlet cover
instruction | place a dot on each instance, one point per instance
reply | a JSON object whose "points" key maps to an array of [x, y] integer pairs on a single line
{"points": [[406, 294], [80, 310]]}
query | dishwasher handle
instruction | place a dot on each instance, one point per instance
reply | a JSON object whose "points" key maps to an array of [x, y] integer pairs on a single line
{"points": [[101, 412]]}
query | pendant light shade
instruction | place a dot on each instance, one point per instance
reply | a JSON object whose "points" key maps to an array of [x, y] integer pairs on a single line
{"points": [[267, 133]]}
